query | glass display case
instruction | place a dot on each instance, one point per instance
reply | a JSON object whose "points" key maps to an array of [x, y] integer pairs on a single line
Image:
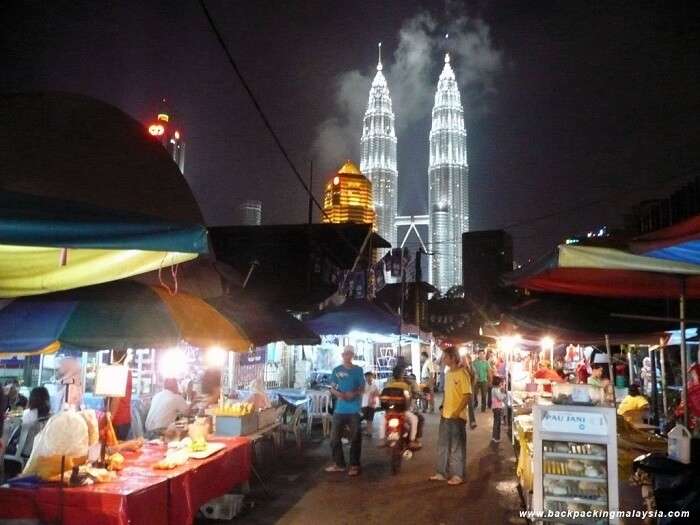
{"points": [[575, 463]]}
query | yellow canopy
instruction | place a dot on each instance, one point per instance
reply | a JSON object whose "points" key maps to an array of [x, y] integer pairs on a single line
{"points": [[28, 270], [201, 325]]}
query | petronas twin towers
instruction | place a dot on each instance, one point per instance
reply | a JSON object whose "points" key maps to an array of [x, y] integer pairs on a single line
{"points": [[448, 215]]}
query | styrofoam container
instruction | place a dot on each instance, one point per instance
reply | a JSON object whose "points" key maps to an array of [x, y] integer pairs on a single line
{"points": [[679, 444], [236, 425], [226, 507]]}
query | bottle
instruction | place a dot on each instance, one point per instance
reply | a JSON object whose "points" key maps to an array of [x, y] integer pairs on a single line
{"points": [[679, 444]]}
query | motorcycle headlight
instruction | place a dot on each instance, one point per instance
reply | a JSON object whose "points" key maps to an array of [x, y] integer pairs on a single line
{"points": [[394, 422]]}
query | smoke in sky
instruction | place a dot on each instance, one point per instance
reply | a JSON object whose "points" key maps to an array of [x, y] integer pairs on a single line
{"points": [[412, 73]]}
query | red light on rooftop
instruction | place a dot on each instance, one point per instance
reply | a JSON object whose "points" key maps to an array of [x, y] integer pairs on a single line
{"points": [[156, 130]]}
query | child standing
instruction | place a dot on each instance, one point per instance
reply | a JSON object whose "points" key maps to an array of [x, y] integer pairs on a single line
{"points": [[370, 398], [498, 398]]}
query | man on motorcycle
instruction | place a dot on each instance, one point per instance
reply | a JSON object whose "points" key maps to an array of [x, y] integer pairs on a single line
{"points": [[398, 381]]}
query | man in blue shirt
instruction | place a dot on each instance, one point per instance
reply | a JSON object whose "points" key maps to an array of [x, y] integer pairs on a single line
{"points": [[347, 385]]}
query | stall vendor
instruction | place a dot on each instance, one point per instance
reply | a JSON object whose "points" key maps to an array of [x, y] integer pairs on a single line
{"points": [[634, 406], [165, 407], [211, 388]]}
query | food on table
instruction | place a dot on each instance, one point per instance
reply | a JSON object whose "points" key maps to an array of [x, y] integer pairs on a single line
{"points": [[115, 462], [236, 410], [198, 445], [172, 460], [102, 475]]}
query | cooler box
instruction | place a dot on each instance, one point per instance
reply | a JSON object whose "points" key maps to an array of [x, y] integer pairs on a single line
{"points": [[236, 425]]}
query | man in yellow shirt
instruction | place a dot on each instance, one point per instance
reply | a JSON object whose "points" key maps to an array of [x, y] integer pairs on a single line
{"points": [[452, 436]]}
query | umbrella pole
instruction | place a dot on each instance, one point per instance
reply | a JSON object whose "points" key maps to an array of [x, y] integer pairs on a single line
{"points": [[654, 390], [610, 367], [662, 359], [684, 358], [630, 365]]}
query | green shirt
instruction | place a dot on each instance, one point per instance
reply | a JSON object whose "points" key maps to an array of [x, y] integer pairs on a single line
{"points": [[481, 367]]}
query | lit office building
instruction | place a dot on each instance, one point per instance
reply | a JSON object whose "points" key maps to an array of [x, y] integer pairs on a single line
{"points": [[348, 197], [250, 213], [448, 181], [378, 155]]}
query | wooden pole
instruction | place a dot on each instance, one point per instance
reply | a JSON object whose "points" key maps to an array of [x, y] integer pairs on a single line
{"points": [[610, 367]]}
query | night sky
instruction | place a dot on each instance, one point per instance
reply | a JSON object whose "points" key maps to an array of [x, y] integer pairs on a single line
{"points": [[583, 109]]}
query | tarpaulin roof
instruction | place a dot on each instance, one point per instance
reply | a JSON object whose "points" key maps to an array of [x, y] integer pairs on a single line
{"points": [[608, 272], [586, 320], [122, 314], [264, 323], [49, 245], [680, 242], [354, 315]]}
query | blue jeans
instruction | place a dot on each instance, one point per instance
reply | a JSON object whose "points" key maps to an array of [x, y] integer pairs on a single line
{"points": [[452, 447], [339, 423]]}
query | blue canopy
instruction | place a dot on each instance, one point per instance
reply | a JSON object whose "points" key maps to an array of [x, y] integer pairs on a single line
{"points": [[28, 220], [680, 242]]}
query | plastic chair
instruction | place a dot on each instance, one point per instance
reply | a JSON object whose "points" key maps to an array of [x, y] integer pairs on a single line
{"points": [[319, 406], [294, 426]]}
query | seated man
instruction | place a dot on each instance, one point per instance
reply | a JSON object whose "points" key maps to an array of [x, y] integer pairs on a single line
{"points": [[397, 381], [165, 407]]}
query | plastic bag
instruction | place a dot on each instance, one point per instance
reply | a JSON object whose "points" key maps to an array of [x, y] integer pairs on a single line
{"points": [[65, 434]]}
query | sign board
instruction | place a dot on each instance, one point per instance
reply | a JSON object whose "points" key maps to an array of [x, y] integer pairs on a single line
{"points": [[565, 422], [256, 357]]}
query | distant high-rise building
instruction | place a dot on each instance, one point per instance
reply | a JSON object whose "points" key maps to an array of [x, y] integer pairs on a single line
{"points": [[448, 183], [250, 213], [164, 129], [378, 155], [486, 255], [348, 197]]}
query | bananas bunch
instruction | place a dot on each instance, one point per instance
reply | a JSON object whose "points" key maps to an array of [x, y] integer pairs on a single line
{"points": [[236, 410]]}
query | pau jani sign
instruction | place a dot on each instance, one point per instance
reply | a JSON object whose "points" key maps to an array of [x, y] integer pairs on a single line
{"points": [[588, 423]]}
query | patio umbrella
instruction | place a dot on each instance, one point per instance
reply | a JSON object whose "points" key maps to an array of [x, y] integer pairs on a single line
{"points": [[122, 314], [264, 323], [608, 272], [49, 245], [355, 315]]}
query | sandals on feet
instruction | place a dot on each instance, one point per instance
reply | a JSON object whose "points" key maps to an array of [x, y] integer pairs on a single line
{"points": [[354, 471], [437, 477], [334, 468], [455, 480]]}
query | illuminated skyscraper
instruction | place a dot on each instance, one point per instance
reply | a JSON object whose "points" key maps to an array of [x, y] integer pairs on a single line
{"points": [[250, 213], [170, 136], [378, 154], [448, 181], [348, 197]]}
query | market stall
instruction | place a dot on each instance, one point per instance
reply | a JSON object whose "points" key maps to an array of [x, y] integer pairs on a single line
{"points": [[140, 494]]}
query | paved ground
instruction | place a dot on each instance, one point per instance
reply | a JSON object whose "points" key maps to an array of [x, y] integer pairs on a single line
{"points": [[301, 493]]}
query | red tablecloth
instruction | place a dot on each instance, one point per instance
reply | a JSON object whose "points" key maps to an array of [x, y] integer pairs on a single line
{"points": [[142, 495]]}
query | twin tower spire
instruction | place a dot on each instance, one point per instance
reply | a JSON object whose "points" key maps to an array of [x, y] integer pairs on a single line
{"points": [[448, 213]]}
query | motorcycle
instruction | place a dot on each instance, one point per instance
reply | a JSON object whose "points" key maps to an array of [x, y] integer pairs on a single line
{"points": [[394, 404]]}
